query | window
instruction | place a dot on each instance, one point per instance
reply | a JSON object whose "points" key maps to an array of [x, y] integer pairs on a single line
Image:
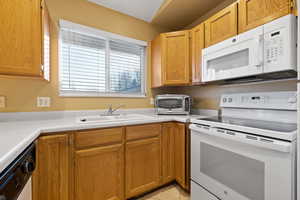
{"points": [[97, 63]]}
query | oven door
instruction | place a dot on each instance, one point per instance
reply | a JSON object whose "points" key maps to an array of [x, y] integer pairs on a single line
{"points": [[234, 170], [236, 57]]}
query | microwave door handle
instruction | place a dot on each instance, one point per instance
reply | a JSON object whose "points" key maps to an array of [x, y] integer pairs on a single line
{"points": [[259, 51]]}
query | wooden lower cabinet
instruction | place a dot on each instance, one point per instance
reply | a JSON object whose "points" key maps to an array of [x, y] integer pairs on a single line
{"points": [[112, 165], [143, 166], [51, 177], [99, 173], [180, 155], [175, 154], [168, 152]]}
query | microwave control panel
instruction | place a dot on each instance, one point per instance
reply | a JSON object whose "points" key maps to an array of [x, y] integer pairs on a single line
{"points": [[273, 46], [280, 38]]}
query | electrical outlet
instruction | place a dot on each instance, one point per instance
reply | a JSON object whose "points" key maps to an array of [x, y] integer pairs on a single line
{"points": [[2, 102], [151, 101], [43, 101]]}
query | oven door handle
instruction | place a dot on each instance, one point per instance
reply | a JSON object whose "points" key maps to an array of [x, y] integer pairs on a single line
{"points": [[262, 142]]}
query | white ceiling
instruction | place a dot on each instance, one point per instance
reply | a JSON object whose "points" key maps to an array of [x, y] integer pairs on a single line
{"points": [[141, 9]]}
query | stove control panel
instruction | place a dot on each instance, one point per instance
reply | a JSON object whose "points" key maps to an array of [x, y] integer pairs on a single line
{"points": [[268, 100]]}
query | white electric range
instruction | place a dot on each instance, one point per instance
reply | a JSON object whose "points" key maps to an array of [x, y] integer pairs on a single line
{"points": [[249, 152]]}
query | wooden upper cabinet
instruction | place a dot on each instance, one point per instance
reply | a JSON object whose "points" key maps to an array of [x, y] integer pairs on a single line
{"points": [[46, 46], [253, 13], [143, 166], [175, 58], [99, 173], [21, 38], [51, 177], [170, 59], [156, 65], [197, 44], [221, 26]]}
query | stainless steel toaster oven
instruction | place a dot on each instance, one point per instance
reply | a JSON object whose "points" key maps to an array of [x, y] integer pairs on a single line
{"points": [[173, 104]]}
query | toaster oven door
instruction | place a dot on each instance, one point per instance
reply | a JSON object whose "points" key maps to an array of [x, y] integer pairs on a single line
{"points": [[171, 106], [170, 103]]}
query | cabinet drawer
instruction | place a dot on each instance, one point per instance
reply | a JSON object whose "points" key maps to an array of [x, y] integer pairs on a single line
{"points": [[142, 131], [98, 137]]}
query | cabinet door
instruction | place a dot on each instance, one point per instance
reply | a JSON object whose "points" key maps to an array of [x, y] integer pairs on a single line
{"points": [[156, 65], [175, 58], [253, 13], [45, 42], [197, 43], [221, 26], [168, 151], [51, 177], [180, 154], [99, 173], [20, 37], [143, 166]]}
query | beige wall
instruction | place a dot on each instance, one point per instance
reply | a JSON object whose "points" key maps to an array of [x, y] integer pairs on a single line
{"points": [[21, 93], [208, 97]]}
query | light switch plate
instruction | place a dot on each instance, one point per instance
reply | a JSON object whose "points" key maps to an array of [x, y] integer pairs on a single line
{"points": [[43, 101], [2, 102]]}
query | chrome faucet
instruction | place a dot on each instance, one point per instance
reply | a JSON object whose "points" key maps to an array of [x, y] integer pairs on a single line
{"points": [[111, 111]]}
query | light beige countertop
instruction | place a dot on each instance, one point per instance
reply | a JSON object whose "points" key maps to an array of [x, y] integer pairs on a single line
{"points": [[15, 136]]}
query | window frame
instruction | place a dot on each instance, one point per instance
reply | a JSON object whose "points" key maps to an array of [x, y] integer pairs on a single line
{"points": [[107, 36]]}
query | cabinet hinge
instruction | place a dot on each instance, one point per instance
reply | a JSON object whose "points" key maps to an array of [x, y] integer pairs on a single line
{"points": [[293, 4], [42, 4]]}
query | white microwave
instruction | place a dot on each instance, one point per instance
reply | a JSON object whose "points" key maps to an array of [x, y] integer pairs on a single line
{"points": [[268, 48]]}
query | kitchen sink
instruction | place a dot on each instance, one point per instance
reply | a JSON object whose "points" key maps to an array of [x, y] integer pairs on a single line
{"points": [[111, 118]]}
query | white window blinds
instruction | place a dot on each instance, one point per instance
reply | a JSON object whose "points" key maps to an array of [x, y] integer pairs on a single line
{"points": [[99, 66], [125, 67]]}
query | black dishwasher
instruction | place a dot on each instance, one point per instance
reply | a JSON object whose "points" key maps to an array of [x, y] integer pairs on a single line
{"points": [[16, 175]]}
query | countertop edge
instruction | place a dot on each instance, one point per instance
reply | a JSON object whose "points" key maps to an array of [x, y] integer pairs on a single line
{"points": [[13, 153]]}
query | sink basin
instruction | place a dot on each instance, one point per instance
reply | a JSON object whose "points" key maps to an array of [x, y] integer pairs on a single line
{"points": [[112, 118]]}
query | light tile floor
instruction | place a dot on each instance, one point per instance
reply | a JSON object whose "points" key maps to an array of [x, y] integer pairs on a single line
{"points": [[172, 192]]}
